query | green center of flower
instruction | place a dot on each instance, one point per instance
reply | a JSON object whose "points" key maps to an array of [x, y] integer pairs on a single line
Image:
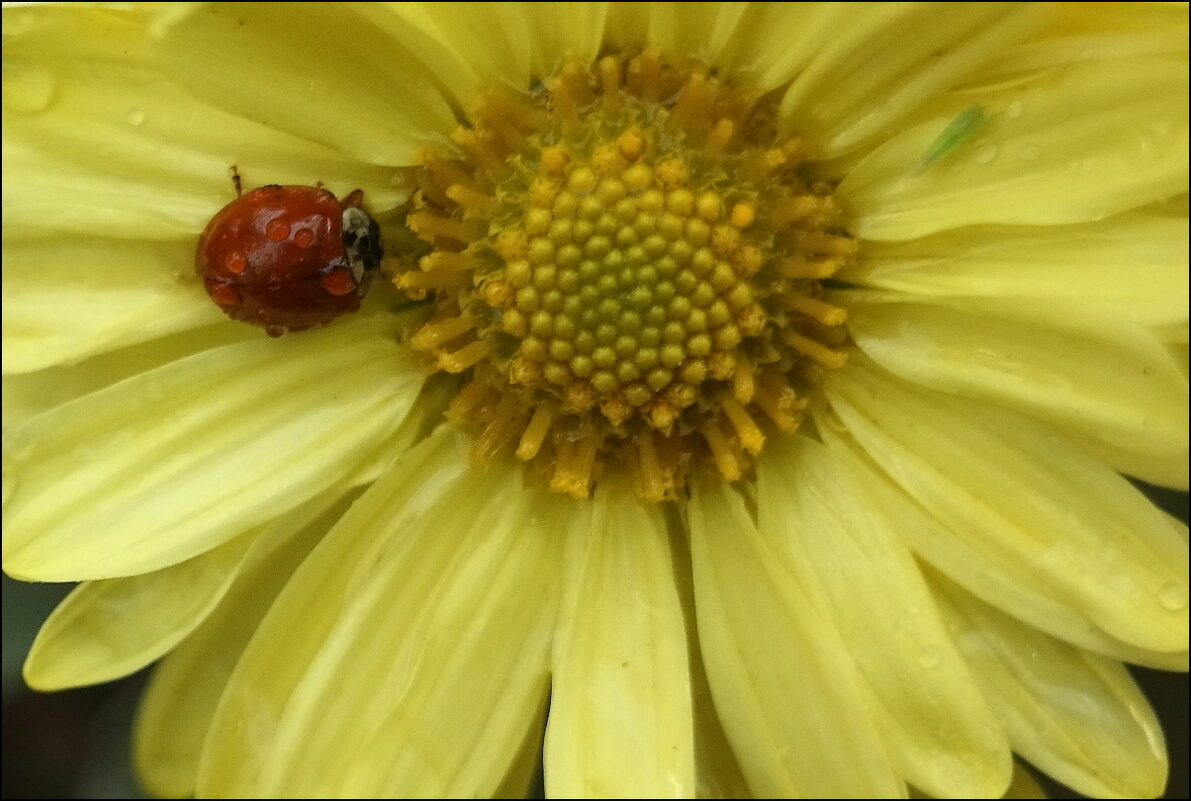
{"points": [[626, 277]]}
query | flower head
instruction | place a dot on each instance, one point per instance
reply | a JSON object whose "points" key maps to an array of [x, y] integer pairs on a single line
{"points": [[743, 401]]}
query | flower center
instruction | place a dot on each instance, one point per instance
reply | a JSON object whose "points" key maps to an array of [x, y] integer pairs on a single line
{"points": [[627, 263]]}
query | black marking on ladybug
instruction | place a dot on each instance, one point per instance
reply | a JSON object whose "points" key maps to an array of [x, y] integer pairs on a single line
{"points": [[362, 242]]}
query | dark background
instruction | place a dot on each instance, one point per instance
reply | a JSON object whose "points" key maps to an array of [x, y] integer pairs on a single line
{"points": [[76, 744]]}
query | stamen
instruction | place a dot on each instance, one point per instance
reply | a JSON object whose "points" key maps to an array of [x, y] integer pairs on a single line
{"points": [[775, 397], [810, 269], [721, 450], [645, 75], [564, 103], [427, 225], [471, 397], [818, 310], [535, 433], [469, 198], [438, 333], [693, 103], [743, 383], [479, 146], [815, 351], [576, 80], [499, 431], [720, 136], [574, 462], [448, 261], [751, 438], [465, 357], [827, 244], [444, 171], [610, 84], [652, 480]]}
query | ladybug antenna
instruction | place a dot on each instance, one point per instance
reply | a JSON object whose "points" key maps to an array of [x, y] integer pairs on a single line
{"points": [[236, 181]]}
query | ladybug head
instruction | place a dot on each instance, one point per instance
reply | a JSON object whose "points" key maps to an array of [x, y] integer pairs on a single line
{"points": [[361, 241]]}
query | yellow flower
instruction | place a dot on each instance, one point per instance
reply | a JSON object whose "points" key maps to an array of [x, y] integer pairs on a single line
{"points": [[946, 245]]}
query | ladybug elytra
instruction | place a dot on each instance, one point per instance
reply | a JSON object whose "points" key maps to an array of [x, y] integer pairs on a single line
{"points": [[288, 257]]}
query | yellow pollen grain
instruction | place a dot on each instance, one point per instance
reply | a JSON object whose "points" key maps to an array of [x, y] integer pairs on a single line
{"points": [[632, 144], [742, 215], [554, 160]]}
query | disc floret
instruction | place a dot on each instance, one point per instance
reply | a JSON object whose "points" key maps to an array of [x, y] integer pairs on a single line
{"points": [[625, 278]]}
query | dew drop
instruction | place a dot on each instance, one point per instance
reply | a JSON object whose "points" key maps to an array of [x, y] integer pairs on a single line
{"points": [[1013, 111], [1173, 596], [985, 153], [28, 89], [277, 229], [1029, 151], [135, 117], [929, 656]]}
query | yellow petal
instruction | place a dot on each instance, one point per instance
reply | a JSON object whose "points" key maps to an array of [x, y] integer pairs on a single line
{"points": [[523, 774], [888, 59], [1164, 471], [1039, 507], [782, 682], [1096, 31], [1132, 398], [410, 651], [1078, 717], [322, 73], [180, 699], [471, 46], [108, 629], [941, 734], [620, 721], [695, 30], [770, 42], [1133, 266], [68, 298], [977, 563], [115, 149], [1077, 145], [171, 463], [561, 30], [27, 395]]}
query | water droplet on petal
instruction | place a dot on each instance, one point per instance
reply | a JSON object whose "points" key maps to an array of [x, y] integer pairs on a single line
{"points": [[136, 117], [1173, 596], [1029, 151], [28, 89], [929, 656], [985, 153], [1013, 111]]}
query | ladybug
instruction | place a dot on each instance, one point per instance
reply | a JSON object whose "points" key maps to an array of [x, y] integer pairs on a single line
{"points": [[288, 257]]}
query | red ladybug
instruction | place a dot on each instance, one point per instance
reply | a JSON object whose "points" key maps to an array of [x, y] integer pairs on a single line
{"points": [[288, 257]]}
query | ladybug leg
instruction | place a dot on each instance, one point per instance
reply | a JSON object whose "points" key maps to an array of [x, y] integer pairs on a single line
{"points": [[236, 181]]}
